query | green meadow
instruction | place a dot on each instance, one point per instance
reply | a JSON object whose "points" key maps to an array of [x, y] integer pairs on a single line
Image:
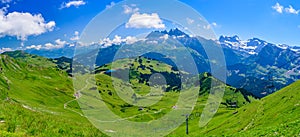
{"points": [[37, 99]]}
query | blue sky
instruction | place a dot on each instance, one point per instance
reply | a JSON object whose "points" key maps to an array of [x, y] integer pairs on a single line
{"points": [[61, 21]]}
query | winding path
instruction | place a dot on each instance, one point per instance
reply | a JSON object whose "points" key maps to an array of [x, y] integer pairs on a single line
{"points": [[131, 117], [66, 104]]}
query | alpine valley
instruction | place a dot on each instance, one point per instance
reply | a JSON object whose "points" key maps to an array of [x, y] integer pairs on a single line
{"points": [[256, 65], [261, 98]]}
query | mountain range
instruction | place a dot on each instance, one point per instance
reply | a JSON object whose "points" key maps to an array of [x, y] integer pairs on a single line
{"points": [[255, 65]]}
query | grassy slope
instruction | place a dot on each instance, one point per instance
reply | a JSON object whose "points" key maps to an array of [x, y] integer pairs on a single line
{"points": [[274, 115], [32, 95], [37, 92], [121, 108], [278, 114]]}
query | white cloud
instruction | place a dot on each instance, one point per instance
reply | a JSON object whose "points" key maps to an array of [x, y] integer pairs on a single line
{"points": [[22, 25], [5, 49], [75, 3], [107, 42], [75, 36], [6, 1], [37, 47], [165, 37], [130, 9], [49, 46], [131, 40], [278, 8], [209, 26], [291, 10], [57, 45], [110, 5], [214, 24], [190, 21], [138, 20], [118, 40], [60, 43]]}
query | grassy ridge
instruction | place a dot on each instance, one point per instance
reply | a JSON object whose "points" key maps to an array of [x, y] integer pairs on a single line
{"points": [[274, 115], [19, 121], [32, 95]]}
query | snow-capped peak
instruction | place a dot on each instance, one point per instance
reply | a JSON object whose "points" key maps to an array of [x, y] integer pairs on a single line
{"points": [[295, 49], [251, 46], [283, 46]]}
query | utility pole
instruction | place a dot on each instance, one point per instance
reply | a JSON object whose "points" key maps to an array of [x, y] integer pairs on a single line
{"points": [[187, 123]]}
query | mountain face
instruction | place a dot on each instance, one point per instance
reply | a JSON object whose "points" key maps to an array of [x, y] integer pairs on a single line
{"points": [[256, 65], [249, 47], [264, 68]]}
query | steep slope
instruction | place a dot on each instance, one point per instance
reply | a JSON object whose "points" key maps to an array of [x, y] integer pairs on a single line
{"points": [[36, 99], [279, 113], [274, 115]]}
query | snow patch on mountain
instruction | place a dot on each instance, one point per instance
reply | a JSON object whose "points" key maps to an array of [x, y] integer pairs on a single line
{"points": [[252, 46]]}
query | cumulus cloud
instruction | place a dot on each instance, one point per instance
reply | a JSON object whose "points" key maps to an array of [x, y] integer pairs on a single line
{"points": [[6, 1], [291, 10], [278, 8], [75, 3], [130, 9], [131, 40], [48, 46], [165, 37], [37, 47], [22, 25], [118, 40], [138, 20], [5, 49], [75, 37], [190, 21], [110, 5], [58, 44]]}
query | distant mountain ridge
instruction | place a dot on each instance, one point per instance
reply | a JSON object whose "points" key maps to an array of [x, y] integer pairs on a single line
{"points": [[256, 65], [251, 46]]}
